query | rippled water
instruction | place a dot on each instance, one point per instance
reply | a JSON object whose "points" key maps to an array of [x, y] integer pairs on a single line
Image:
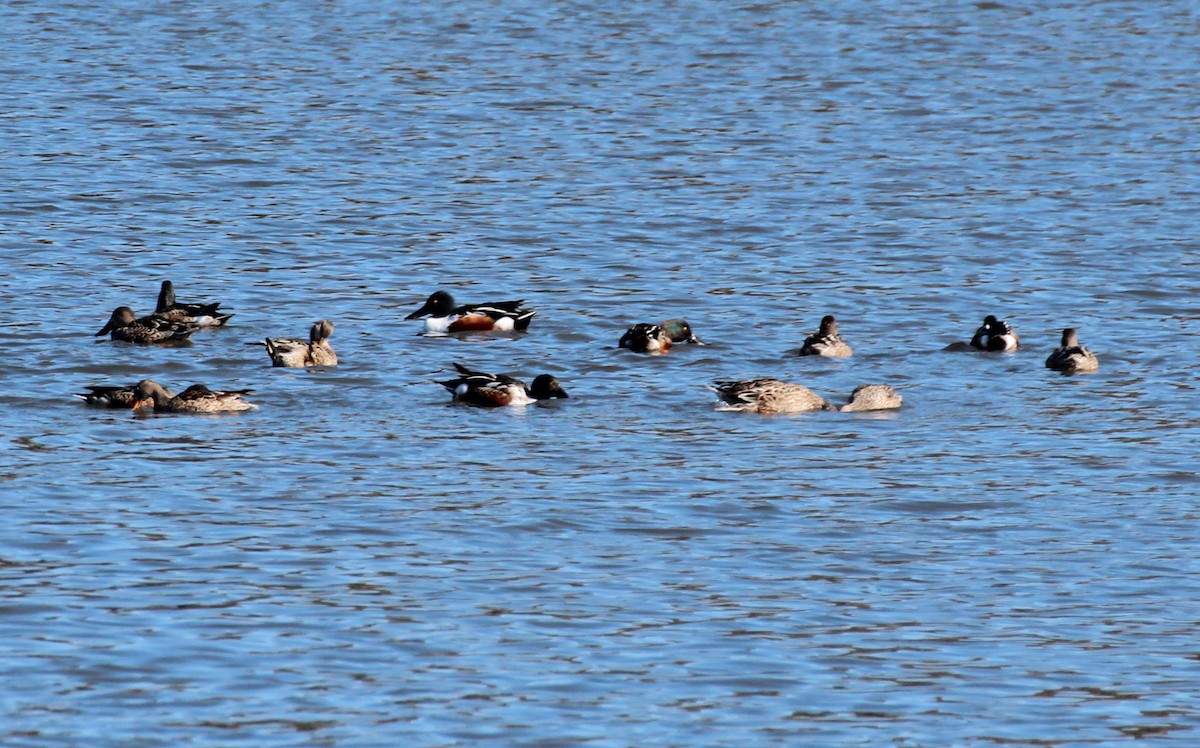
{"points": [[1009, 559]]}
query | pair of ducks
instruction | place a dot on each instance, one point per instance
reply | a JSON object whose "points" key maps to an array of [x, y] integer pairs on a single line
{"points": [[171, 321], [1070, 357], [174, 321]]}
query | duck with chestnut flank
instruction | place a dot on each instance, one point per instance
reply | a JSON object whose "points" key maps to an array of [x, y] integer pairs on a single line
{"points": [[498, 390], [443, 316], [647, 338]]}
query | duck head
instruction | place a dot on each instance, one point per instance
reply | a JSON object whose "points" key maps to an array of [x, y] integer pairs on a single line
{"points": [[439, 304], [121, 317], [679, 331], [545, 387]]}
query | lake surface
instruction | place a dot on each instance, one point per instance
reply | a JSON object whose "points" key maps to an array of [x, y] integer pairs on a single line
{"points": [[1010, 559]]}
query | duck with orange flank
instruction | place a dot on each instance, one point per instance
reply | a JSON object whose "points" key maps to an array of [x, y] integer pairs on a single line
{"points": [[498, 390], [648, 338], [444, 316]]}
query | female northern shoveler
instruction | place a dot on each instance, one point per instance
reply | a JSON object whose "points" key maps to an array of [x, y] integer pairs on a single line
{"points": [[873, 397], [109, 396], [444, 316], [495, 390], [995, 335], [768, 396], [1071, 357], [153, 328], [826, 341], [647, 338], [201, 315], [195, 399], [315, 351]]}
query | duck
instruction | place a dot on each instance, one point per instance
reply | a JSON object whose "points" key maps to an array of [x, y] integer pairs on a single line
{"points": [[443, 316], [125, 325], [1071, 357], [109, 396], [995, 335], [315, 351], [768, 396], [201, 315], [826, 341], [648, 338], [195, 399], [872, 397], [498, 390]]}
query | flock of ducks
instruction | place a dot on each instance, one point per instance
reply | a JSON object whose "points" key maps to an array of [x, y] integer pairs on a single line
{"points": [[174, 322]]}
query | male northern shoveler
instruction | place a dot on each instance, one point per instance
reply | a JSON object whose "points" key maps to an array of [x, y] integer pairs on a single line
{"points": [[1071, 357], [315, 351], [109, 396], [201, 315], [826, 341], [496, 390], [768, 396], [444, 316], [647, 338], [153, 328], [995, 335], [873, 397], [195, 399]]}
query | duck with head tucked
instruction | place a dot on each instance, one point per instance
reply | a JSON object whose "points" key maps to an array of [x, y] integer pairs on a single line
{"points": [[443, 316], [201, 315], [1071, 357], [647, 338], [498, 390], [872, 397], [195, 399], [153, 328], [768, 396], [826, 341], [995, 335], [316, 351]]}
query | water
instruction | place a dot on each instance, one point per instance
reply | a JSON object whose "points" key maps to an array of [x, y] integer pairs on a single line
{"points": [[1007, 559]]}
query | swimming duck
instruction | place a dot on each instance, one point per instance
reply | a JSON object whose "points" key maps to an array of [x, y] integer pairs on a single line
{"points": [[768, 396], [872, 397], [153, 328], [444, 316], [1071, 357], [648, 338], [109, 396], [315, 351], [497, 390], [201, 315], [826, 341], [195, 399], [995, 335]]}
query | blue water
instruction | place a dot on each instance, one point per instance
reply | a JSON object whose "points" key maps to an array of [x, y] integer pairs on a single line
{"points": [[1008, 559]]}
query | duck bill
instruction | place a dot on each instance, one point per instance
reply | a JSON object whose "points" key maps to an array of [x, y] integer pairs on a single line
{"points": [[696, 341], [105, 330], [419, 313], [139, 404]]}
